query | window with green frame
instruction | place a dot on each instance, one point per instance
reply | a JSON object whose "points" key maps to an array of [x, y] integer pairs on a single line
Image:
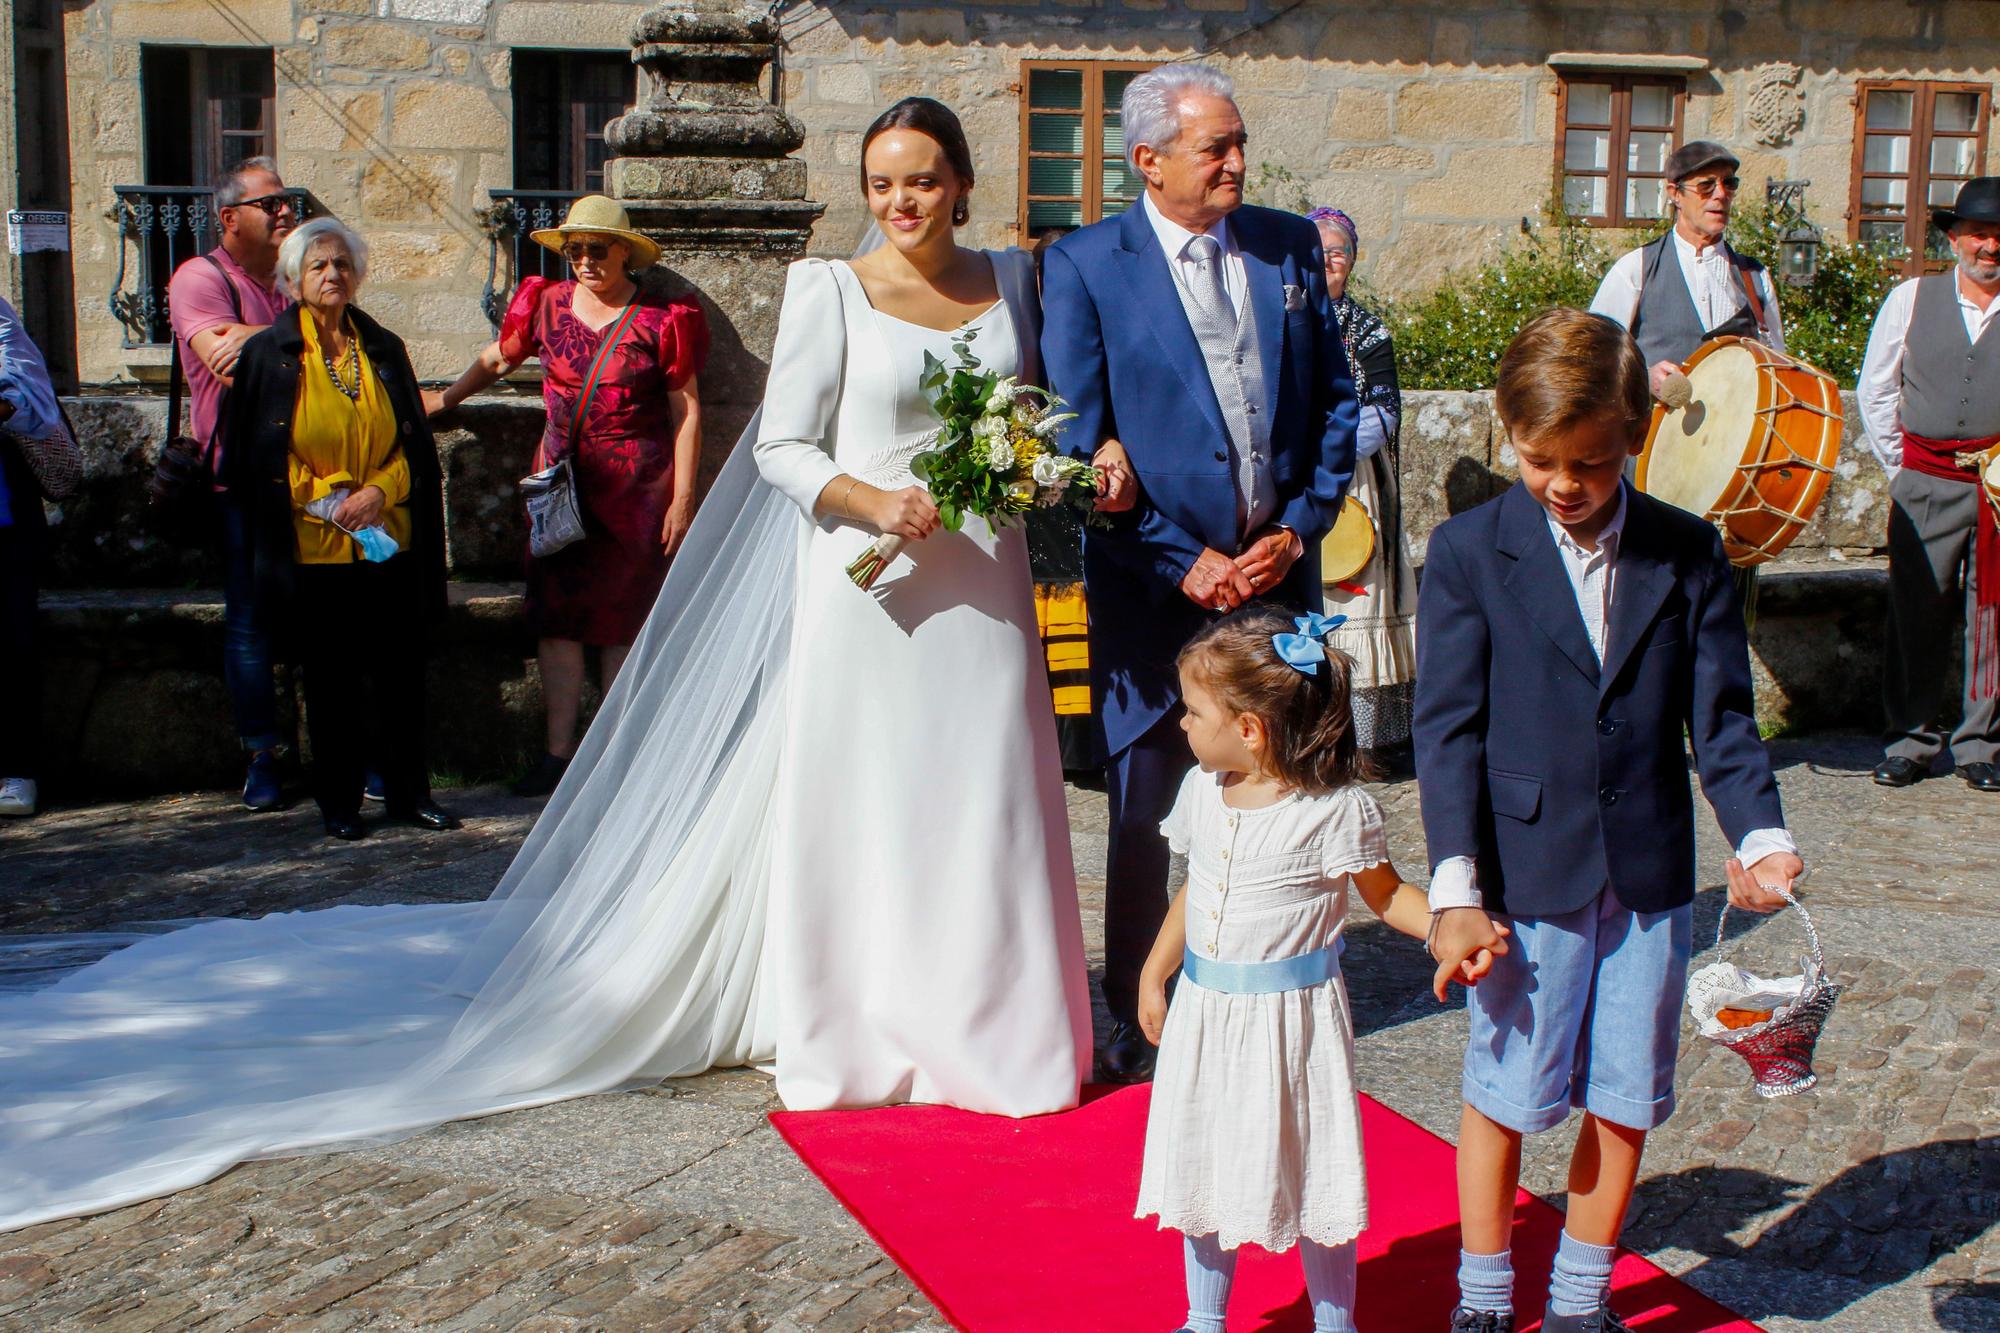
{"points": [[1073, 168]]}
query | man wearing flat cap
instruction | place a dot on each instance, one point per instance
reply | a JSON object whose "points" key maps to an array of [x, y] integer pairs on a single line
{"points": [[1689, 286], [1930, 401]]}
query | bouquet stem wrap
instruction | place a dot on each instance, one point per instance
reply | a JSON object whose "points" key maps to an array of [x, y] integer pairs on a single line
{"points": [[868, 566]]}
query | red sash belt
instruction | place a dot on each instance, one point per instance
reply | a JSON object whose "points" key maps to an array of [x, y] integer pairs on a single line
{"points": [[1939, 459]]}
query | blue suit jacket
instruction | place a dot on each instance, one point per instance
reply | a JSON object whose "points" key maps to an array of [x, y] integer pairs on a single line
{"points": [[1561, 777], [1117, 345]]}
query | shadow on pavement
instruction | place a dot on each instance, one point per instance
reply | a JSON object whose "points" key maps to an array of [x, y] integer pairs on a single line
{"points": [[1878, 1222]]}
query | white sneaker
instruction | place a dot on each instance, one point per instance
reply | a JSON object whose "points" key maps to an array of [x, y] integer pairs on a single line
{"points": [[17, 797]]}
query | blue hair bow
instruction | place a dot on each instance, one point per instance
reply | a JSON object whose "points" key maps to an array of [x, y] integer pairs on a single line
{"points": [[1304, 651]]}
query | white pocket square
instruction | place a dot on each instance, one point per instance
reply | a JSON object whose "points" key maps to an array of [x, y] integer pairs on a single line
{"points": [[1295, 298]]}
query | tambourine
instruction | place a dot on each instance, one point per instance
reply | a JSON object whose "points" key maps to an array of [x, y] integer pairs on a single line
{"points": [[1349, 547]]}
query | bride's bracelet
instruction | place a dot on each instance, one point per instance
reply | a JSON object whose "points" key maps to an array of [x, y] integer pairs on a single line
{"points": [[846, 509]]}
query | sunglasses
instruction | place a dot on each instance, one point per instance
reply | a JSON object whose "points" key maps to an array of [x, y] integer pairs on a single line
{"points": [[1706, 186], [597, 250], [271, 204]]}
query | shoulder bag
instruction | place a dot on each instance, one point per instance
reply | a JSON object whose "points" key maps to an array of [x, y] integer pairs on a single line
{"points": [[555, 519], [180, 496]]}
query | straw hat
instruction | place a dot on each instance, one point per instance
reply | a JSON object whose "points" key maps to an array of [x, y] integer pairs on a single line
{"points": [[595, 215]]}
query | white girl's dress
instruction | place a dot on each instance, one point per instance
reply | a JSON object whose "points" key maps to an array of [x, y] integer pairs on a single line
{"points": [[1255, 1128]]}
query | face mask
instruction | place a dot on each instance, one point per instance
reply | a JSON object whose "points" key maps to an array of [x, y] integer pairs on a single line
{"points": [[376, 544], [323, 507]]}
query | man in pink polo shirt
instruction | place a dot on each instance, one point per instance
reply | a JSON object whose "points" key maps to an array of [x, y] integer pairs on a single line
{"points": [[217, 302]]}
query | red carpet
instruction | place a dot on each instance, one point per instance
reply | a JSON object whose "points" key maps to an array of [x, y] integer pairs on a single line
{"points": [[1027, 1225]]}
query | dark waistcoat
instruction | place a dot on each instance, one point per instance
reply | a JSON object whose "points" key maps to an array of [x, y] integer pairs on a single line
{"points": [[1666, 324], [1951, 385]]}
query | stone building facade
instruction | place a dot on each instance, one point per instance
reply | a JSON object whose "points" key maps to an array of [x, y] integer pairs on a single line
{"points": [[1439, 125]]}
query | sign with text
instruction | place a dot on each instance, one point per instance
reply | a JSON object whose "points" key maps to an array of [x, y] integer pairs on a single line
{"points": [[30, 231]]}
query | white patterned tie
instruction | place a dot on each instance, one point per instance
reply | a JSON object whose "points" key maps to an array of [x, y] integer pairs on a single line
{"points": [[1209, 292]]}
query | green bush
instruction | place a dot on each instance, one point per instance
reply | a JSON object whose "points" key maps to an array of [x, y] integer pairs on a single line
{"points": [[1452, 336]]}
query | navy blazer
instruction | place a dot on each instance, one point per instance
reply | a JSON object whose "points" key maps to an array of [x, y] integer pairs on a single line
{"points": [[1560, 777], [1118, 347]]}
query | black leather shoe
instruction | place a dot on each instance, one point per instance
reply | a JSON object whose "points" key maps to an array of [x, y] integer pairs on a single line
{"points": [[542, 778], [1480, 1321], [261, 789], [427, 815], [1896, 771], [348, 828], [1980, 777], [1128, 1056]]}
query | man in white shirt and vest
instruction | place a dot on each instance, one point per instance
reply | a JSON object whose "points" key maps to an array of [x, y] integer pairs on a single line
{"points": [[1930, 403], [1688, 286]]}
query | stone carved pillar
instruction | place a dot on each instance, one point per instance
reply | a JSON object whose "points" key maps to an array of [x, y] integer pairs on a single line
{"points": [[703, 164]]}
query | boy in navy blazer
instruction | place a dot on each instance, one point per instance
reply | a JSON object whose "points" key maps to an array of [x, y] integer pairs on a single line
{"points": [[1570, 634]]}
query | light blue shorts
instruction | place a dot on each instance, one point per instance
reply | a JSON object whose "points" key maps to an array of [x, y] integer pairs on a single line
{"points": [[1583, 1010]]}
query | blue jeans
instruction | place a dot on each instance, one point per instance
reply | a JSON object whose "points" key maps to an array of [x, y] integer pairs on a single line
{"points": [[246, 651]]}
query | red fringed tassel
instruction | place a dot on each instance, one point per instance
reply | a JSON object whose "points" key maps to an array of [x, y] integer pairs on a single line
{"points": [[1986, 605]]}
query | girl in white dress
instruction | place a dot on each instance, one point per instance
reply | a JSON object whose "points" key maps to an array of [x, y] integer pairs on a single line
{"points": [[1255, 1129]]}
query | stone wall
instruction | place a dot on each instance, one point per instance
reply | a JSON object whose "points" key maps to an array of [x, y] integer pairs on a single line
{"points": [[1454, 456], [1433, 122], [133, 641], [396, 114]]}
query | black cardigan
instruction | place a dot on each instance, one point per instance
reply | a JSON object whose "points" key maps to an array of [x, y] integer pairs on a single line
{"points": [[258, 442]]}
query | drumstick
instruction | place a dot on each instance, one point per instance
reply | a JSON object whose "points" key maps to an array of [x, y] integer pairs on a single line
{"points": [[1675, 391]]}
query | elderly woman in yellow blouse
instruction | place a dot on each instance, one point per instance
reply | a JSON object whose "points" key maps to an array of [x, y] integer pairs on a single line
{"points": [[332, 458]]}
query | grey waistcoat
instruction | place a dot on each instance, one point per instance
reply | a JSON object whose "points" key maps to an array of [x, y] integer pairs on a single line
{"points": [[1951, 385], [1236, 370], [1666, 324]]}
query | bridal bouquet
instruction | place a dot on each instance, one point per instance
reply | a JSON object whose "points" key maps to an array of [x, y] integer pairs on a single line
{"points": [[994, 456]]}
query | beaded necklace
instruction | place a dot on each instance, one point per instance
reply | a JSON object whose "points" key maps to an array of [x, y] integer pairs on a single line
{"points": [[333, 369]]}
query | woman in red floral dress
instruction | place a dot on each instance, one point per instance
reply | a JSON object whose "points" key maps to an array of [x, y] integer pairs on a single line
{"points": [[635, 456]]}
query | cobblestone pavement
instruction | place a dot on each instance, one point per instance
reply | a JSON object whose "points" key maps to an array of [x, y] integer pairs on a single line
{"points": [[1867, 1206]]}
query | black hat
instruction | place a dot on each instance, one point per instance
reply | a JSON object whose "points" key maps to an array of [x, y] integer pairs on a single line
{"points": [[1692, 157], [1978, 201]]}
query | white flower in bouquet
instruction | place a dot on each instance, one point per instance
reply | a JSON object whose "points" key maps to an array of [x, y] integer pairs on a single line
{"points": [[1049, 471], [1002, 399], [1021, 492], [1052, 423], [1000, 453]]}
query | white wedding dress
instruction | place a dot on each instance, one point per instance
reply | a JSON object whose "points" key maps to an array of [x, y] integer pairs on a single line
{"points": [[809, 826]]}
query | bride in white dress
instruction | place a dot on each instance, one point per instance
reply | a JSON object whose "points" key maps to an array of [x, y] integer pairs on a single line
{"points": [[926, 944], [810, 826]]}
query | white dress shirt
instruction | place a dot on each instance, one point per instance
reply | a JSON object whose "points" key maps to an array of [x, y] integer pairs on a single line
{"points": [[1593, 575], [1711, 281], [1174, 239], [1880, 388]]}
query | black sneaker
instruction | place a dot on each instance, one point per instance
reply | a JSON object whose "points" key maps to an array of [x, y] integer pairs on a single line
{"points": [[1480, 1321], [543, 777]]}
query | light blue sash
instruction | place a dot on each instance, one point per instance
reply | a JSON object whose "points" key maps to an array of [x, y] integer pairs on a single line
{"points": [[1280, 974]]}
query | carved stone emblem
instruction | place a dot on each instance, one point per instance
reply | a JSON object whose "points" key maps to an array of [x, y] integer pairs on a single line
{"points": [[1777, 106]]}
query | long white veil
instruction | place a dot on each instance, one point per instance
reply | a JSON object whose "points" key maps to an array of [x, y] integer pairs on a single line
{"points": [[621, 945]]}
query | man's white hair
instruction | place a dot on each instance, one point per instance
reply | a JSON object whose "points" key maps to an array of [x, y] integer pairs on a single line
{"points": [[1151, 108], [301, 242]]}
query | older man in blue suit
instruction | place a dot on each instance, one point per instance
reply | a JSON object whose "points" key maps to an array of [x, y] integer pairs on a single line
{"points": [[1192, 338]]}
